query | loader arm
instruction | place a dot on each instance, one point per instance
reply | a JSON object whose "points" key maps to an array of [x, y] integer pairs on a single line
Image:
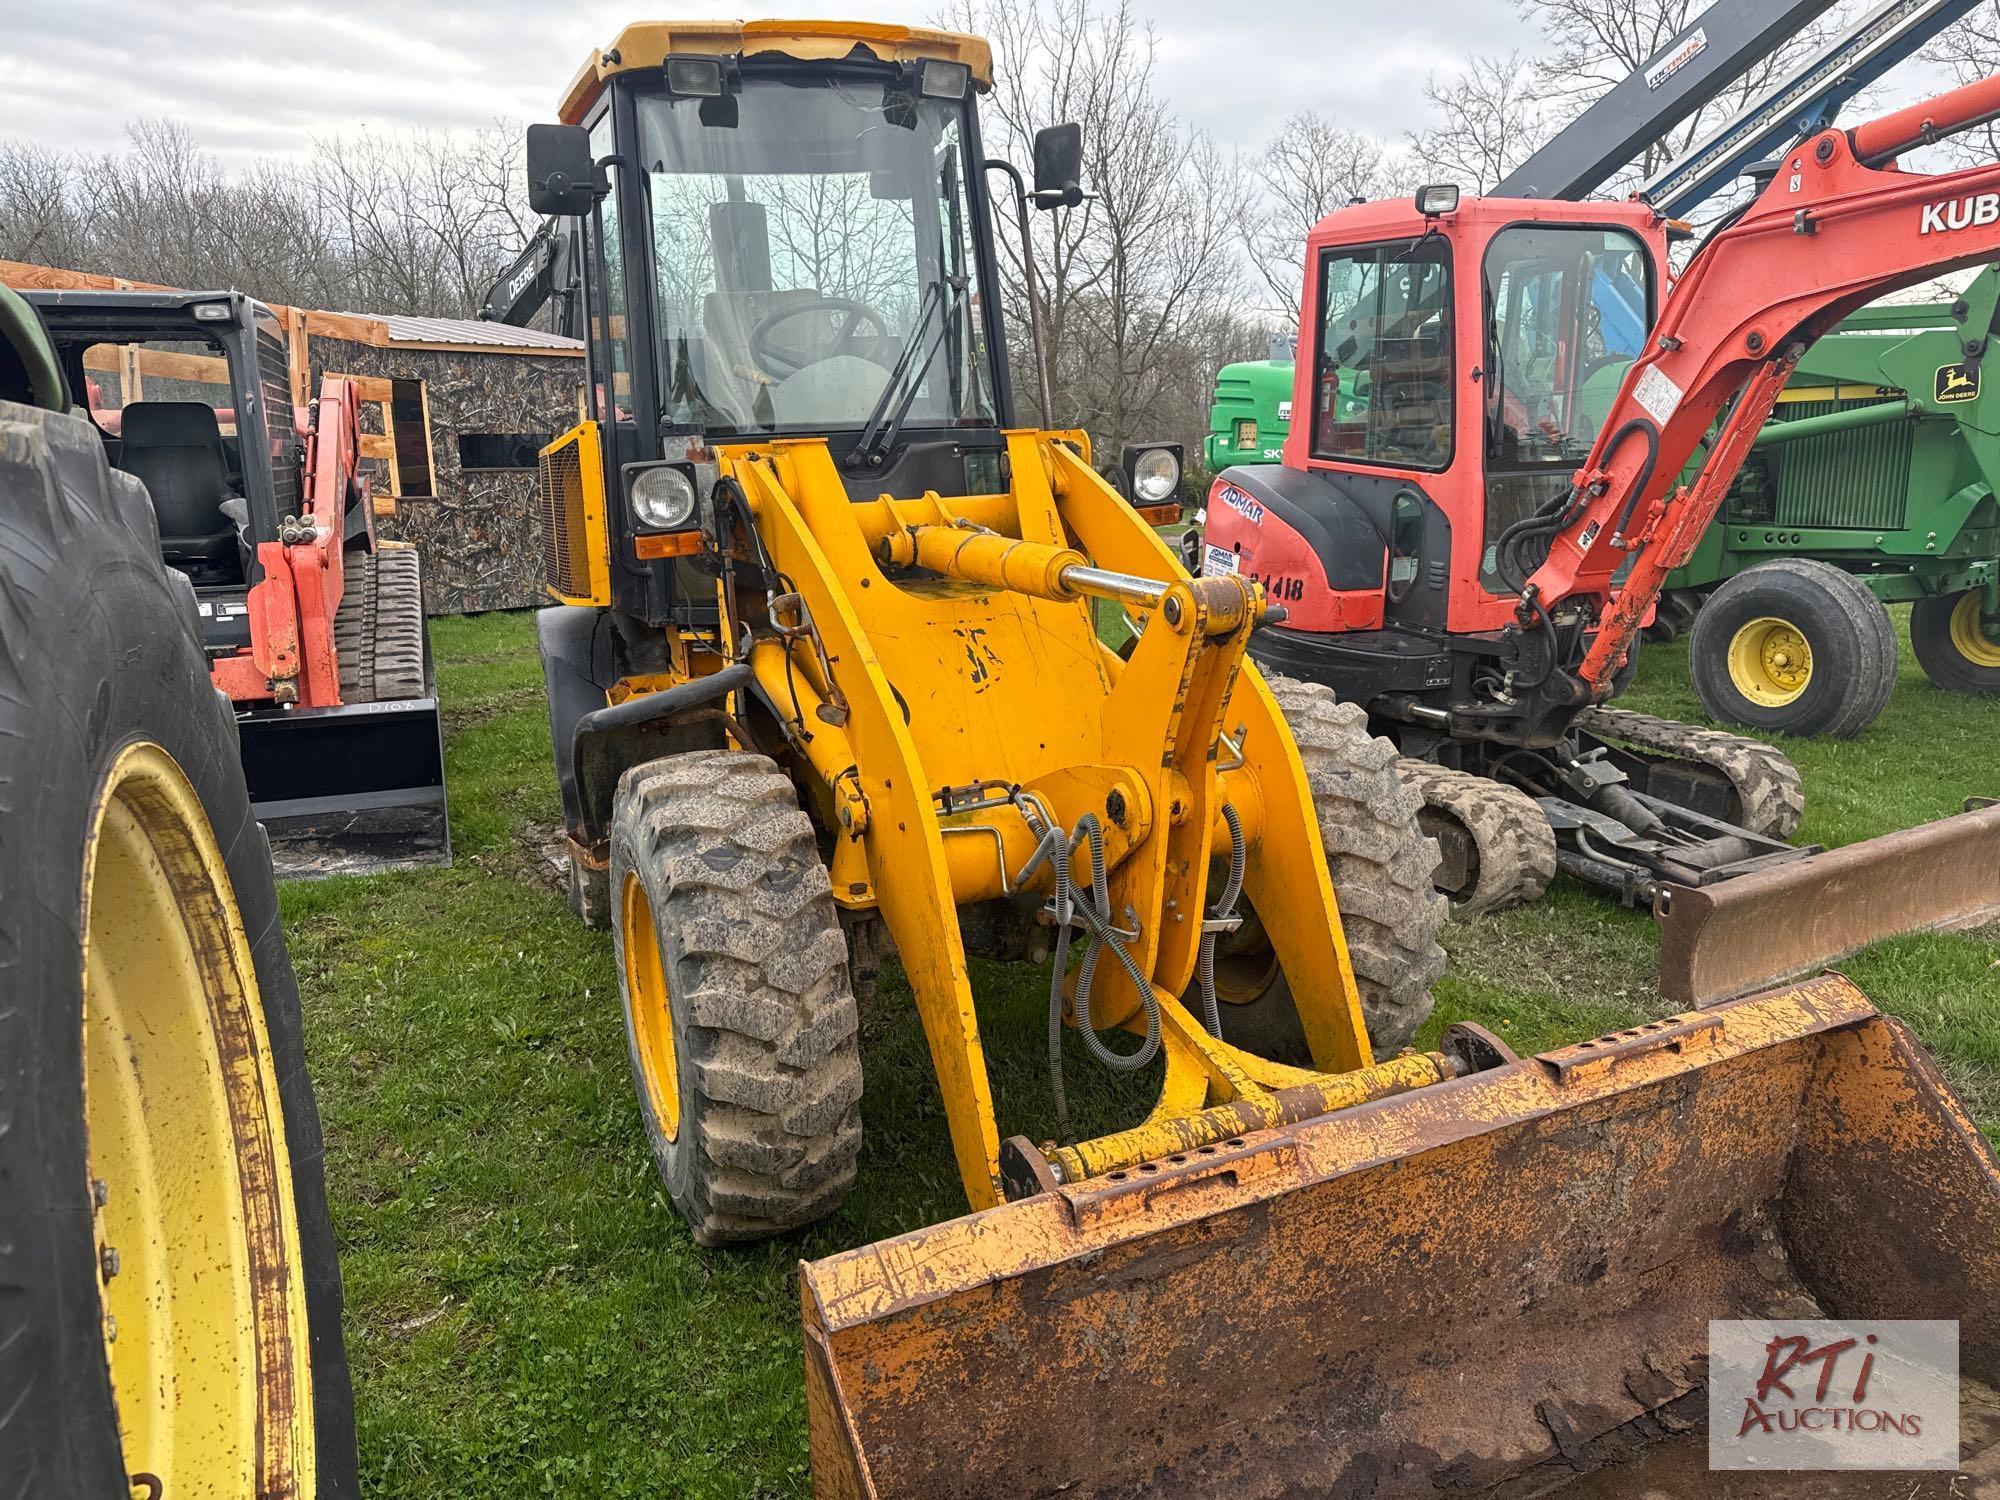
{"points": [[1837, 227]]}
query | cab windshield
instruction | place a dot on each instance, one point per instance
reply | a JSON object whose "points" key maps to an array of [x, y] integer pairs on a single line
{"points": [[812, 251]]}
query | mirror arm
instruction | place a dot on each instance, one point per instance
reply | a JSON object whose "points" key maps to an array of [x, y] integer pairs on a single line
{"points": [[994, 164]]}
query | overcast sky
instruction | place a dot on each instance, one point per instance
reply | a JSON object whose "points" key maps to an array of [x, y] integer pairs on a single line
{"points": [[261, 78]]}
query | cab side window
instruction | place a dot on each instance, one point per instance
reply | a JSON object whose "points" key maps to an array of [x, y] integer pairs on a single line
{"points": [[1383, 359]]}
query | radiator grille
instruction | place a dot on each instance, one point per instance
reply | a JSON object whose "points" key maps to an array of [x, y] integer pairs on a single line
{"points": [[1859, 478], [565, 529]]}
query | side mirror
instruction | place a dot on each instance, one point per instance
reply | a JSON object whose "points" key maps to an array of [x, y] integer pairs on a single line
{"points": [[561, 180], [1059, 166]]}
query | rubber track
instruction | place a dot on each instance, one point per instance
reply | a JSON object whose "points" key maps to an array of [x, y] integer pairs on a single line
{"points": [[772, 1029], [354, 628], [1381, 861], [399, 624], [1768, 791], [1516, 845]]}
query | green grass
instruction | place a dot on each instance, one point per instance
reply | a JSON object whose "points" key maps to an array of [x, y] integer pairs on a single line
{"points": [[526, 1315]]}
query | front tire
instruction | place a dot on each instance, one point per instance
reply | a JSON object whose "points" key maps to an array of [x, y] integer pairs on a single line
{"points": [[1795, 646], [169, 1290], [739, 1015], [1381, 861], [1948, 636]]}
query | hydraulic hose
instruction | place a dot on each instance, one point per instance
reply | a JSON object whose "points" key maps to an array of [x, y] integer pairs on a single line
{"points": [[1225, 907]]}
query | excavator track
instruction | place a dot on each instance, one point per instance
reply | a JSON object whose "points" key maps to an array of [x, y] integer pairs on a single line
{"points": [[1499, 850], [1769, 795]]}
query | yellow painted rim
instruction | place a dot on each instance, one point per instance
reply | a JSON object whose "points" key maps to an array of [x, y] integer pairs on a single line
{"points": [[1968, 635], [647, 1001], [1770, 661], [199, 1269]]}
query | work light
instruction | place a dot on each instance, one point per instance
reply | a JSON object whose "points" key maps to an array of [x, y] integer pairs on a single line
{"points": [[211, 312], [1156, 474], [1437, 198], [662, 497], [694, 77], [939, 78]]}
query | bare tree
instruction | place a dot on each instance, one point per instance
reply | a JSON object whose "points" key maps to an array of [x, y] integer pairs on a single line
{"points": [[1133, 282], [1490, 118], [1310, 167]]}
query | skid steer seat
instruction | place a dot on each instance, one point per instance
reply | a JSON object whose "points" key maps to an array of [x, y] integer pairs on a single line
{"points": [[175, 449]]}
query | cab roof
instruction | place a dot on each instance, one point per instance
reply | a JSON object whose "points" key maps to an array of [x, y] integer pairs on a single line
{"points": [[646, 44]]}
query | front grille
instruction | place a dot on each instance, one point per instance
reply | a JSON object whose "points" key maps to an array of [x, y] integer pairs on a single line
{"points": [[565, 541], [1859, 478]]}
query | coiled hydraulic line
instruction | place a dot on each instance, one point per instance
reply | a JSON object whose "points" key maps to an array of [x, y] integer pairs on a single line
{"points": [[1088, 905]]}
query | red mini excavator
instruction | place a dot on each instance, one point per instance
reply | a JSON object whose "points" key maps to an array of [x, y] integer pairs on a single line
{"points": [[1482, 492], [314, 627]]}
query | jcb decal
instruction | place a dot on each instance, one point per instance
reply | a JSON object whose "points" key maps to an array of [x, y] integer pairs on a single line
{"points": [[1957, 383], [1960, 213]]}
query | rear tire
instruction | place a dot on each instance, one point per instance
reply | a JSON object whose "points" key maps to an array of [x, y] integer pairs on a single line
{"points": [[135, 861], [1795, 646], [1381, 861], [1950, 645], [740, 1020]]}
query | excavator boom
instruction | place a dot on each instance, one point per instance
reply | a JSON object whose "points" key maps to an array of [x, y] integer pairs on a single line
{"points": [[1837, 227]]}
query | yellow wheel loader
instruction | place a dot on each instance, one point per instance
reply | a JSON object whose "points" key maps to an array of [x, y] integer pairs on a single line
{"points": [[824, 683]]}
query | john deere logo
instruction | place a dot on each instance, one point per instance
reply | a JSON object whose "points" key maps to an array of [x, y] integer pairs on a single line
{"points": [[1957, 383]]}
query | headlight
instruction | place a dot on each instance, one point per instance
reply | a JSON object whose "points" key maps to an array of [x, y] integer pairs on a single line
{"points": [[662, 497], [1156, 474]]}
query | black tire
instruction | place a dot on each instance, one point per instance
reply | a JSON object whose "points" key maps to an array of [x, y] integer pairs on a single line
{"points": [[379, 642], [764, 1037], [99, 652], [1844, 628], [1382, 864], [1942, 629]]}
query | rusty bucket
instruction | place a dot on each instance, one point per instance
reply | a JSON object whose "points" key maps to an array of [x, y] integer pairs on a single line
{"points": [[1482, 1286]]}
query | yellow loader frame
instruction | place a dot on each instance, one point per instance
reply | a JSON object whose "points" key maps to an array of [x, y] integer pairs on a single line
{"points": [[929, 704]]}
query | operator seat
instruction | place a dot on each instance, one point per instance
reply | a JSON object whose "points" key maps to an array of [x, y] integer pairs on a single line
{"points": [[175, 449]]}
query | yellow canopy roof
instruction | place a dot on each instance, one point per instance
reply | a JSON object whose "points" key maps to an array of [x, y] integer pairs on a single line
{"points": [[645, 44]]}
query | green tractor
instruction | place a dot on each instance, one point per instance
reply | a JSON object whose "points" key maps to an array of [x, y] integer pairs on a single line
{"points": [[1252, 412], [1873, 484]]}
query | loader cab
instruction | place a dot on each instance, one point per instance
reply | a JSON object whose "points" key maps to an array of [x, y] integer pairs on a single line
{"points": [[774, 237], [189, 393], [1454, 368]]}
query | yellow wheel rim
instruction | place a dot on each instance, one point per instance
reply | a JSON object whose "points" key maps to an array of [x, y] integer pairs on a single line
{"points": [[646, 997], [1968, 634], [198, 1244], [1770, 662]]}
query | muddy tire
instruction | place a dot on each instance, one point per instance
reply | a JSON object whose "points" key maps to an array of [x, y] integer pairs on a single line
{"points": [[1796, 646], [148, 1015], [378, 632], [740, 1018], [1952, 648], [1381, 860], [1498, 849], [1770, 798]]}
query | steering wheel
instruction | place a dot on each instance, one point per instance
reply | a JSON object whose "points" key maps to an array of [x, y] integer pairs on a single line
{"points": [[779, 361]]}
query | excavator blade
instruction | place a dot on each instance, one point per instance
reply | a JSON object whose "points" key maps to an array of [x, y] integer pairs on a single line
{"points": [[1751, 930], [1484, 1286]]}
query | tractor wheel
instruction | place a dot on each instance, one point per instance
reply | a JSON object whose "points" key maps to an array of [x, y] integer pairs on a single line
{"points": [[739, 1016], [1953, 644], [1794, 645], [378, 633], [1382, 864], [169, 1290]]}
